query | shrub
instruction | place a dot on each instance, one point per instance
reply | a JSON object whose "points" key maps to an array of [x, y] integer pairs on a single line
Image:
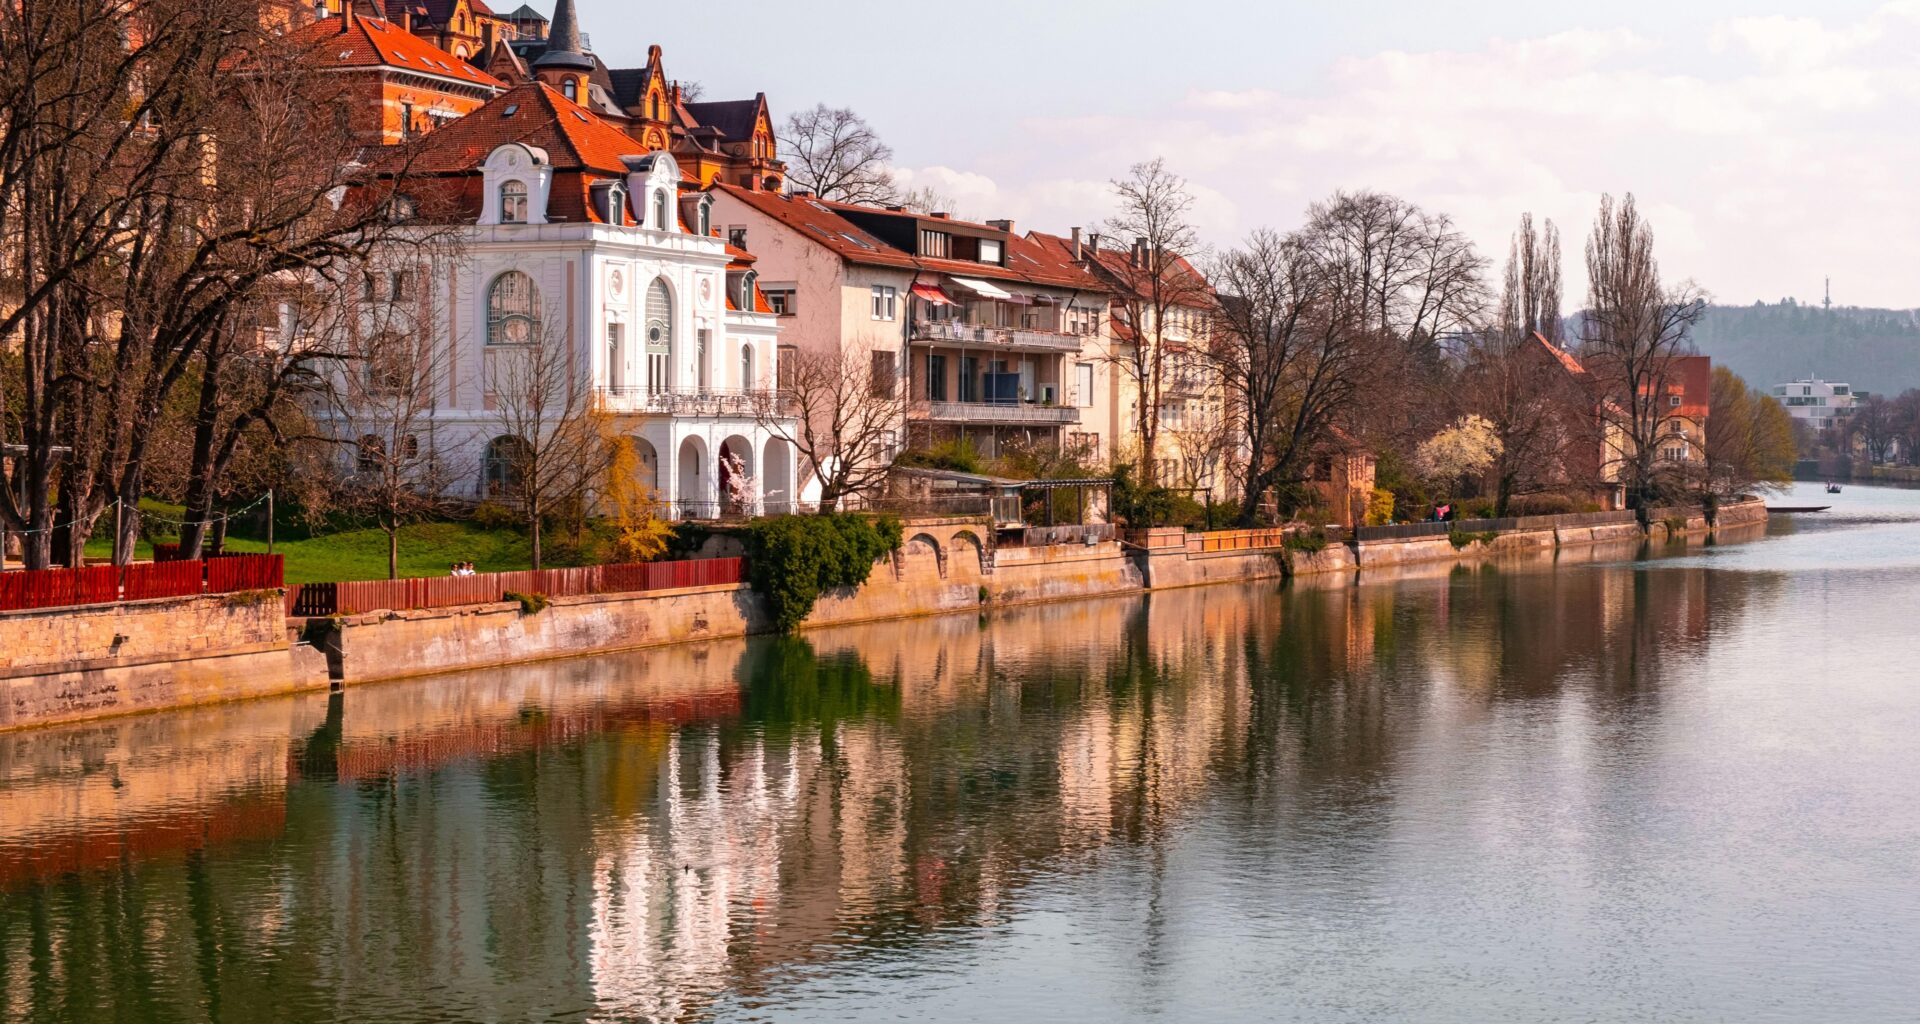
{"points": [[1676, 524], [492, 515], [792, 559], [1380, 508], [530, 604], [1310, 542], [1477, 508], [1464, 538], [957, 455], [249, 598], [1541, 505]]}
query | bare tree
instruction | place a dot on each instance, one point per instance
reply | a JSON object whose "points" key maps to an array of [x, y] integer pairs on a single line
{"points": [[552, 448], [1634, 330], [833, 153], [386, 399], [1875, 425], [1420, 286], [1160, 298], [843, 413], [1288, 348], [164, 167], [1513, 378]]}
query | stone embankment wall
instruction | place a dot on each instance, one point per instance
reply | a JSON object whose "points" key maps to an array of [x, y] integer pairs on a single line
{"points": [[940, 569], [70, 664]]}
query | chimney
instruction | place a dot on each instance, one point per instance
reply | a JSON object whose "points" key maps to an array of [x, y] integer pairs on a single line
{"points": [[1093, 243], [1076, 245], [896, 209], [346, 18], [1001, 225], [1138, 255], [938, 215], [406, 19], [801, 193], [1159, 258]]}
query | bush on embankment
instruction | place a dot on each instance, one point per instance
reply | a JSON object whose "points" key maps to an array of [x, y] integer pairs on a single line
{"points": [[791, 560]]}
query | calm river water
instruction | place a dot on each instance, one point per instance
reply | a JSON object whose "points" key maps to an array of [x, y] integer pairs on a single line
{"points": [[1681, 786]]}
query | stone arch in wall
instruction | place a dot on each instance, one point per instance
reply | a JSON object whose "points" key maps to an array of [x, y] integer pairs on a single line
{"points": [[922, 557], [966, 556]]}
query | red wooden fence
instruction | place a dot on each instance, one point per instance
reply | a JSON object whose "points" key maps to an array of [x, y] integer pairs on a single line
{"points": [[146, 580], [454, 591], [105, 584], [59, 588]]}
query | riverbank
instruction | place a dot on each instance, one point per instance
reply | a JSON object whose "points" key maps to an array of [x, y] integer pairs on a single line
{"points": [[73, 665]]}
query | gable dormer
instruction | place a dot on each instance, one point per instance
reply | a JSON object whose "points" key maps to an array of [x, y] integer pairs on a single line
{"points": [[516, 182], [654, 183]]}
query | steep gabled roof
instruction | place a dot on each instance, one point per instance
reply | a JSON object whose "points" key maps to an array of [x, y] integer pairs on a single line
{"points": [[1118, 268], [355, 41]]}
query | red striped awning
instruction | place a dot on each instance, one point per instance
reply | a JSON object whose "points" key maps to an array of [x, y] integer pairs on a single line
{"points": [[933, 294]]}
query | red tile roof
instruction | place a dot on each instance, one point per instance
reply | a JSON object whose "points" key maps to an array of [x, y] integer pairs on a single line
{"points": [[1027, 261], [355, 41], [533, 114]]}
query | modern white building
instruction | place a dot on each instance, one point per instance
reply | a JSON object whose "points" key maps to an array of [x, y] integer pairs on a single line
{"points": [[570, 235], [1818, 403]]}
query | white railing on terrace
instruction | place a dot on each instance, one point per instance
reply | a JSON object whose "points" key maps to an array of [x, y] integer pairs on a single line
{"points": [[1000, 337], [689, 401]]}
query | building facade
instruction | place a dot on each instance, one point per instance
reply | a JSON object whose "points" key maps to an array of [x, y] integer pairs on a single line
{"points": [[1819, 404], [573, 239], [394, 85]]}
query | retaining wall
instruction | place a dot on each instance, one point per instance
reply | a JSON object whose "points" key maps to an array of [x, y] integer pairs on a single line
{"points": [[70, 664]]}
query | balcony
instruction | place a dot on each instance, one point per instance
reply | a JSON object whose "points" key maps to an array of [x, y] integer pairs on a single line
{"points": [[688, 401], [1012, 414], [1008, 338]]}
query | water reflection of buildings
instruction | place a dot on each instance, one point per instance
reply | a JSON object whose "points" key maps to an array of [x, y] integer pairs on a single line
{"points": [[638, 837]]}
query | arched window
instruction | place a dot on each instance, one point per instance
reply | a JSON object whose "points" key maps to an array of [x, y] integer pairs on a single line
{"points": [[373, 451], [513, 203], [660, 211], [616, 205], [570, 89], [505, 463], [706, 217], [512, 309], [745, 301], [659, 336], [746, 367]]}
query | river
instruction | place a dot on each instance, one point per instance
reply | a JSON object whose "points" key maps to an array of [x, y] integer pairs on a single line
{"points": [[1674, 785]]}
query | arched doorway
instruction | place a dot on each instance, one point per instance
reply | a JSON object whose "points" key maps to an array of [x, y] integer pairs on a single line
{"points": [[693, 493], [739, 487], [646, 464], [776, 477]]}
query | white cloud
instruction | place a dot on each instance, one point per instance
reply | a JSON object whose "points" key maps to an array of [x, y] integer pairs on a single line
{"points": [[1765, 156]]}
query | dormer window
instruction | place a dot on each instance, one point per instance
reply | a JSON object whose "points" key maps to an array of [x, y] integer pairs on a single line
{"points": [[570, 89], [706, 217], [746, 291], [513, 203], [989, 251], [610, 201], [660, 211]]}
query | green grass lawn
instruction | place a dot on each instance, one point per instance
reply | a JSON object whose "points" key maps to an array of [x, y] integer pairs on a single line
{"points": [[426, 549]]}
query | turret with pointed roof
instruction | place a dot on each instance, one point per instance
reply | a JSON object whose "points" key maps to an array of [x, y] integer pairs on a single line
{"points": [[564, 49]]}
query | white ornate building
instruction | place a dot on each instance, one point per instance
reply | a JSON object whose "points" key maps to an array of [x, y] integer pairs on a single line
{"points": [[571, 236]]}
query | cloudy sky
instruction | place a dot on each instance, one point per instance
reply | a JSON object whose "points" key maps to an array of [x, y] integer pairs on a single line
{"points": [[1771, 143]]}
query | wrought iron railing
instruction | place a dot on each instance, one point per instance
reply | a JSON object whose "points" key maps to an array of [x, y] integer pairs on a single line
{"points": [[997, 412]]}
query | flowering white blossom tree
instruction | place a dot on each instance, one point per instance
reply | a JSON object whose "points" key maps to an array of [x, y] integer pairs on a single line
{"points": [[1467, 448], [743, 491]]}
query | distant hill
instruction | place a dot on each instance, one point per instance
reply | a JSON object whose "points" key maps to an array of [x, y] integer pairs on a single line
{"points": [[1875, 350]]}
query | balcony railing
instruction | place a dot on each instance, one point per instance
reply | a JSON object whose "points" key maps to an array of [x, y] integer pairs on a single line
{"points": [[994, 337], [689, 401], [1004, 413]]}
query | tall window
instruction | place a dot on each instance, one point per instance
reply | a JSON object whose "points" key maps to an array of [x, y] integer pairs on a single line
{"points": [[659, 336], [746, 367], [783, 370], [737, 237], [886, 300], [1084, 385], [700, 339], [512, 304], [513, 203], [570, 90], [616, 356], [880, 382], [660, 211], [936, 377]]}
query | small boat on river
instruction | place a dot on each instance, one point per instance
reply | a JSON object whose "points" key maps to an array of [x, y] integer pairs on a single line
{"points": [[1833, 488]]}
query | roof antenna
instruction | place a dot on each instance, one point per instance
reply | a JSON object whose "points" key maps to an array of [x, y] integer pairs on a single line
{"points": [[1829, 302]]}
